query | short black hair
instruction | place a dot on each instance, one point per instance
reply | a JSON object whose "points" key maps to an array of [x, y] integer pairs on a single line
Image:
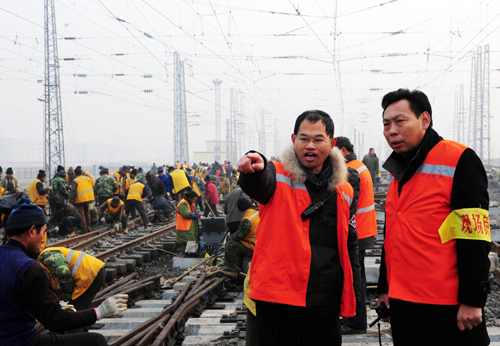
{"points": [[207, 178], [191, 194], [419, 102], [19, 231], [313, 116]]}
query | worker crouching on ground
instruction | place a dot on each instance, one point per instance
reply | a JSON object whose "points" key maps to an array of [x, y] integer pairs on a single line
{"points": [[187, 221], [9, 182], [76, 276], [27, 294], [67, 219], [437, 203], [305, 270], [113, 210], [135, 194], [164, 210], [37, 193], [242, 243]]}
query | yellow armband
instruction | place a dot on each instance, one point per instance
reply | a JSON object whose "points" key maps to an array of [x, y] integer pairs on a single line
{"points": [[469, 223]]}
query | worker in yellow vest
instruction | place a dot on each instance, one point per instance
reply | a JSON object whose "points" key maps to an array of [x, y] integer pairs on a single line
{"points": [[181, 183], [136, 192], [242, 243], [37, 193], [80, 195], [76, 276], [114, 212]]}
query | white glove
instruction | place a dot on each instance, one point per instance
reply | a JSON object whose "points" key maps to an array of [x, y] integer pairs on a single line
{"points": [[116, 227], [103, 219], [56, 228], [112, 306]]}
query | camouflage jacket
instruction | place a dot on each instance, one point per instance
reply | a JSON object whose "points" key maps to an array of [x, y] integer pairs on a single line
{"points": [[142, 178], [58, 192], [105, 186], [60, 270]]}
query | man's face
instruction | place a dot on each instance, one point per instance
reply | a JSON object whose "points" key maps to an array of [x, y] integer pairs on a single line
{"points": [[311, 155], [372, 152], [35, 239], [42, 179], [402, 130], [9, 176], [193, 200], [161, 174], [70, 171]]}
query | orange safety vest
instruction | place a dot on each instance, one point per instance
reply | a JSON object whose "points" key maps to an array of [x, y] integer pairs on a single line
{"points": [[84, 190], [2, 190], [366, 219], [183, 224], [135, 191], [84, 269], [41, 200], [420, 268], [290, 260], [253, 217], [110, 210]]}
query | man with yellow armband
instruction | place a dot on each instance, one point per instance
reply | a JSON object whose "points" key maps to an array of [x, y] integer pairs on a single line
{"points": [[76, 276], [434, 268]]}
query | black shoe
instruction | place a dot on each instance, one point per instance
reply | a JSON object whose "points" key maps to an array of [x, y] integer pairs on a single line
{"points": [[345, 330]]}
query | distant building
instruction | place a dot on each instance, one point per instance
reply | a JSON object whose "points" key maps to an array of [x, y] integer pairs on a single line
{"points": [[215, 151]]}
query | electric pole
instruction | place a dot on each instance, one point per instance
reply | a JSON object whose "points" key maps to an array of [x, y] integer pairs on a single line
{"points": [[53, 134], [181, 152]]}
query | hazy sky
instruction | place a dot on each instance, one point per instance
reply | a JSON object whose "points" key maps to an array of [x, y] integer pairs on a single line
{"points": [[282, 56]]}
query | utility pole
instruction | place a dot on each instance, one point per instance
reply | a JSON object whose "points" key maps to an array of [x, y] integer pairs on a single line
{"points": [[217, 83], [486, 105], [53, 134], [472, 104], [241, 132], [181, 151], [262, 133]]}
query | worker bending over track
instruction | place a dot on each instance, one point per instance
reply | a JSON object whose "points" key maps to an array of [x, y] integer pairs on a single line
{"points": [[242, 243], [76, 276], [114, 212], [27, 294]]}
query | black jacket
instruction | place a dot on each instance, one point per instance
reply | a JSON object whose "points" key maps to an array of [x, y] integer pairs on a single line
{"points": [[469, 190]]}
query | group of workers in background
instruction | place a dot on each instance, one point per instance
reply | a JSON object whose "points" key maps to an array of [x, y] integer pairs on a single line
{"points": [[307, 241]]}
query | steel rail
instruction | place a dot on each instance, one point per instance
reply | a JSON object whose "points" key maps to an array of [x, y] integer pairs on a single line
{"points": [[134, 243]]}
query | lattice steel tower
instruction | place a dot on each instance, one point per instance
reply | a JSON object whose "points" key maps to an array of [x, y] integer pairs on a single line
{"points": [[181, 151], [53, 134], [217, 84]]}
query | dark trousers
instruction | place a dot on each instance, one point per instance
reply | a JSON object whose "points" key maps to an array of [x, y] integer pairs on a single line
{"points": [[251, 336], [83, 301], [277, 327], [416, 324], [233, 226], [81, 339], [102, 200], [359, 321], [234, 255], [132, 205], [67, 224], [207, 210], [111, 218], [84, 210]]}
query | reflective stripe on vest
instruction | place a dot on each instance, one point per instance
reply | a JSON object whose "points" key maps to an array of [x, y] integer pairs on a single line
{"points": [[135, 192], [78, 261], [183, 224], [366, 218], [415, 217], [437, 169], [84, 190], [33, 194]]}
